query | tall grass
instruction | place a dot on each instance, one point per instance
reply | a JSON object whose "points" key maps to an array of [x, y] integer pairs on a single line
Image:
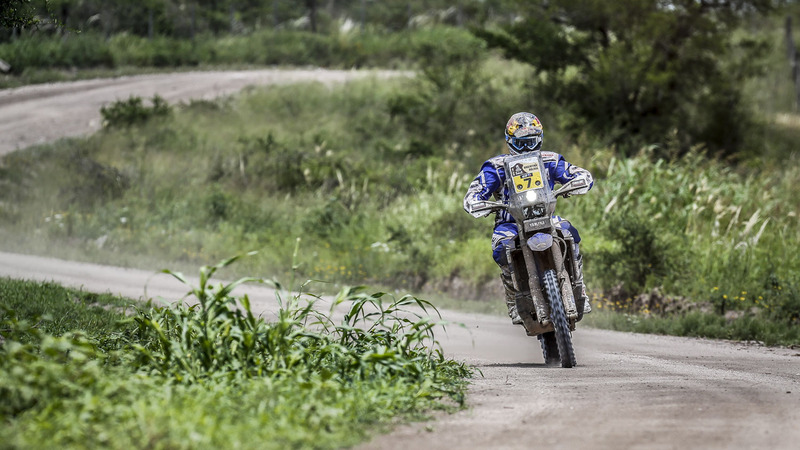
{"points": [[241, 173], [211, 373], [699, 324], [34, 58], [729, 229]]}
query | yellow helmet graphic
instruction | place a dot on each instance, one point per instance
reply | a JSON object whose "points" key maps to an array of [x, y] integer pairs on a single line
{"points": [[524, 133]]}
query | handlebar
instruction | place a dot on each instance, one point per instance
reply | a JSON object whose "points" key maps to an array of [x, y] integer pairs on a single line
{"points": [[488, 205], [564, 191], [569, 188]]}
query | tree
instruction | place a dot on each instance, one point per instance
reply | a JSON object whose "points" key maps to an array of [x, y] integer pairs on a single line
{"points": [[640, 71], [17, 13], [312, 14]]}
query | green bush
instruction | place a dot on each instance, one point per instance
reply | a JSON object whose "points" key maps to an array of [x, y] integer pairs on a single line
{"points": [[638, 258], [637, 74], [125, 113], [782, 299], [72, 51]]}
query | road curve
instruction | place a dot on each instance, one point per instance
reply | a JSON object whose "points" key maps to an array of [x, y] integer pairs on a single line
{"points": [[628, 391], [43, 113]]}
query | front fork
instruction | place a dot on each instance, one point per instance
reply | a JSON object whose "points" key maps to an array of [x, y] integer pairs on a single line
{"points": [[564, 282], [553, 257]]}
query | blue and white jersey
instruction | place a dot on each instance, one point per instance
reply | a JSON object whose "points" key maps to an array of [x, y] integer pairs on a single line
{"points": [[491, 182]]}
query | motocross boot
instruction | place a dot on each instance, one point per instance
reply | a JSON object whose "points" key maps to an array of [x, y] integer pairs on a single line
{"points": [[511, 295], [587, 307]]}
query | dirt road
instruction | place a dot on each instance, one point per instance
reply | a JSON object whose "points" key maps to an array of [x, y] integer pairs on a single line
{"points": [[628, 391], [43, 113]]}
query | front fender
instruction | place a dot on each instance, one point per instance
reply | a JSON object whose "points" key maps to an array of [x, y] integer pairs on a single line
{"points": [[540, 242]]}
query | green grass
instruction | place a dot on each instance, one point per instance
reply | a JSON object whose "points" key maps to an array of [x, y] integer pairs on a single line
{"points": [[239, 174], [39, 58], [699, 324], [214, 375], [63, 310]]}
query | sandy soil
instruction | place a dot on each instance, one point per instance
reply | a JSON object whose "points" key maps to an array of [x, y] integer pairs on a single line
{"points": [[628, 391]]}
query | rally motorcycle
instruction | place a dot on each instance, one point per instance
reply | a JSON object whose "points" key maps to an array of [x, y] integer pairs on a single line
{"points": [[541, 257]]}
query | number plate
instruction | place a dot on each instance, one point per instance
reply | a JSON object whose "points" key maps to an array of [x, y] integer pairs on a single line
{"points": [[537, 224], [526, 175]]}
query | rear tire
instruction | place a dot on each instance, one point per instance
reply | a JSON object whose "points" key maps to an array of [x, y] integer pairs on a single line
{"points": [[562, 334]]}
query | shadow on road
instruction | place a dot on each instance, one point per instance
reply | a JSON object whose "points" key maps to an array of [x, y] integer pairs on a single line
{"points": [[518, 365]]}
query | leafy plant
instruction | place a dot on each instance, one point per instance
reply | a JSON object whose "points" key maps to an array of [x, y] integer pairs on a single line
{"points": [[214, 374], [638, 258], [220, 337], [125, 113]]}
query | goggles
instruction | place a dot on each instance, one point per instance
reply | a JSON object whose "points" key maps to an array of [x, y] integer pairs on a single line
{"points": [[525, 144]]}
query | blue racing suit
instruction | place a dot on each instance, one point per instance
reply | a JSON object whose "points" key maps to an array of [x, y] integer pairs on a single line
{"points": [[491, 182]]}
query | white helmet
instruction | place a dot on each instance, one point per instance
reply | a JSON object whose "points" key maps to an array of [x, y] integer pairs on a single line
{"points": [[524, 133]]}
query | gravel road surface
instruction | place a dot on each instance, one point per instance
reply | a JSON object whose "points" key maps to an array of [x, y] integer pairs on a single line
{"points": [[628, 391]]}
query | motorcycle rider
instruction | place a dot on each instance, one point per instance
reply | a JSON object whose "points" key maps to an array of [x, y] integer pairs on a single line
{"points": [[523, 133]]}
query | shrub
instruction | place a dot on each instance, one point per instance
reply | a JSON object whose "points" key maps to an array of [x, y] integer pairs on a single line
{"points": [[639, 258], [782, 298], [125, 113]]}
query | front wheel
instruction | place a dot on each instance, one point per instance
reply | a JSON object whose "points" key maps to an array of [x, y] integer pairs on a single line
{"points": [[550, 348], [559, 318]]}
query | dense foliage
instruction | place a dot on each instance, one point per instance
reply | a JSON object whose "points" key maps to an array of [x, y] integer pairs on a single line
{"points": [[643, 71], [212, 374], [632, 73], [186, 18], [17, 13]]}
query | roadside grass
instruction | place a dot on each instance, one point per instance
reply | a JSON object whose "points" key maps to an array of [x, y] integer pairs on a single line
{"points": [[215, 375], [38, 59], [56, 310], [699, 324]]}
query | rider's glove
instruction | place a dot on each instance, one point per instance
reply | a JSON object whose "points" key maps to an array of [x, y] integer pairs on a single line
{"points": [[587, 178], [479, 214]]}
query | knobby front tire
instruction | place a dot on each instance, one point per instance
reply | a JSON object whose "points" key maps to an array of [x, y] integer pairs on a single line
{"points": [[559, 317], [550, 348]]}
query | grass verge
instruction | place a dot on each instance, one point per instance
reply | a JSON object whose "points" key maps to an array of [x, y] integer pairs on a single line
{"points": [[699, 324], [213, 374]]}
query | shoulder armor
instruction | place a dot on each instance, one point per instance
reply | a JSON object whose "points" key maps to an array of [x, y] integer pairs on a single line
{"points": [[496, 161], [550, 157]]}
